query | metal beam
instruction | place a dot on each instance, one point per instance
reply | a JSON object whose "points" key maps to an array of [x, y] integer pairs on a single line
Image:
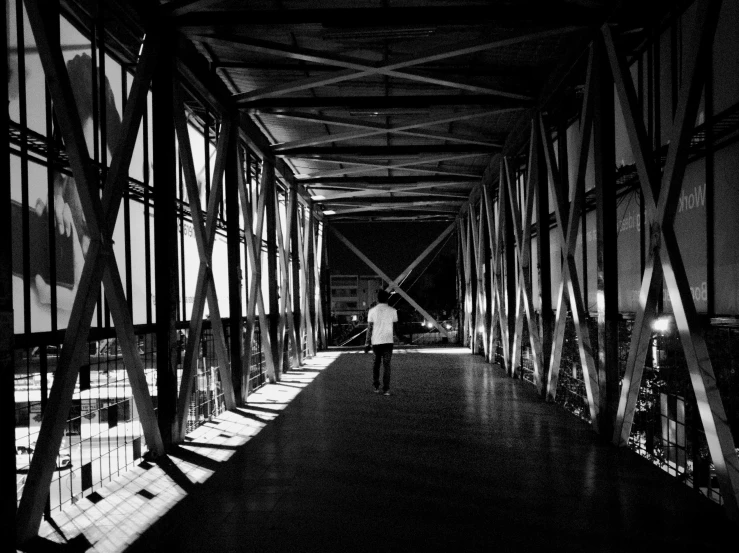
{"points": [[357, 68], [273, 291], [166, 287], [413, 192], [7, 337], [385, 152], [567, 232], [665, 255], [383, 103], [205, 285], [408, 166], [370, 128], [416, 199], [604, 161], [353, 20], [179, 8], [438, 180], [239, 373], [387, 279], [255, 298], [431, 247], [99, 266], [522, 231], [295, 269], [391, 207]]}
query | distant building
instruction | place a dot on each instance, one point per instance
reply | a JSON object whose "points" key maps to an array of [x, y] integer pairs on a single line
{"points": [[352, 295]]}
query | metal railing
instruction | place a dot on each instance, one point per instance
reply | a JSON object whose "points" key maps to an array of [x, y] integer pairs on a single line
{"points": [[103, 436], [207, 399], [667, 428], [257, 369]]}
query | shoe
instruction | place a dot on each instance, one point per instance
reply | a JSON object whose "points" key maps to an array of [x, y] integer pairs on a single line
{"points": [[377, 390], [386, 393]]}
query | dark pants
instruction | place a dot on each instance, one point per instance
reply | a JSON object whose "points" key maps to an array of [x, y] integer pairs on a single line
{"points": [[384, 353]]}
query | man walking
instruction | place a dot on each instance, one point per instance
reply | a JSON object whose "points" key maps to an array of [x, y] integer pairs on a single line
{"points": [[380, 331]]}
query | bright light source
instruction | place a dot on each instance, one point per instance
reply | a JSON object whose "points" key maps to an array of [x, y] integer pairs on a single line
{"points": [[329, 212], [319, 197], [354, 318], [429, 324], [448, 326], [661, 325]]}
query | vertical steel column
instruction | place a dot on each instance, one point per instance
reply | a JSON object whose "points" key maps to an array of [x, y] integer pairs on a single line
{"points": [[326, 288], [509, 253], [239, 373], [466, 254], [475, 281], [271, 216], [165, 234], [540, 177], [311, 279], [7, 437], [320, 244], [460, 279], [606, 238], [295, 268], [487, 285]]}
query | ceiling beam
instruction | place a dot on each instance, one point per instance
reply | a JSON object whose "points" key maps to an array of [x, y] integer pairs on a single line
{"points": [[404, 192], [437, 180], [386, 199], [371, 168], [523, 72], [413, 188], [547, 13], [184, 7], [391, 207], [385, 152], [382, 103], [406, 165], [355, 69], [372, 129]]}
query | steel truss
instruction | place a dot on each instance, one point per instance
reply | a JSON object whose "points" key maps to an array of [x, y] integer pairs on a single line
{"points": [[99, 267], [606, 65], [664, 258], [299, 252]]}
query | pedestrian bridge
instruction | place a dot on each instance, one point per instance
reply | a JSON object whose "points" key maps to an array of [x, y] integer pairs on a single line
{"points": [[459, 456]]}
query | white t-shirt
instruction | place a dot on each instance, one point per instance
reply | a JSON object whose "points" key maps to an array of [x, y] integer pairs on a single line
{"points": [[382, 317]]}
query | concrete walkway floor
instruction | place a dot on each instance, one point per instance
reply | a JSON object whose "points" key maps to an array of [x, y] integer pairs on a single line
{"points": [[458, 458]]}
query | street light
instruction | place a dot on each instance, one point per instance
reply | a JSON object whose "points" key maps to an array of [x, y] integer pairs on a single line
{"points": [[662, 324]]}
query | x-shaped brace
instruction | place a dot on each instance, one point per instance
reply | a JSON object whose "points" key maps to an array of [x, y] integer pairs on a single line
{"points": [[567, 229], [392, 283], [205, 286], [286, 319], [318, 248], [495, 235], [99, 266], [478, 243], [523, 251], [464, 236], [253, 238], [306, 236], [399, 279], [665, 261]]}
